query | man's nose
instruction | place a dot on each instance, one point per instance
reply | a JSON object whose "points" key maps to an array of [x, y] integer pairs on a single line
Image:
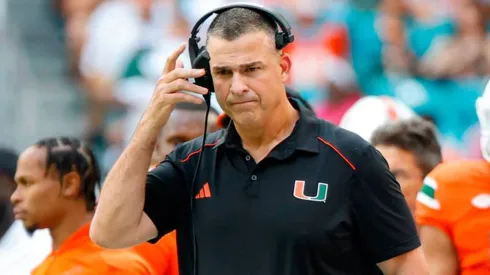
{"points": [[15, 197], [238, 86]]}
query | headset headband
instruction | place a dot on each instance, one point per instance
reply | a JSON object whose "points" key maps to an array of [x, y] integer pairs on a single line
{"points": [[199, 56], [287, 38]]}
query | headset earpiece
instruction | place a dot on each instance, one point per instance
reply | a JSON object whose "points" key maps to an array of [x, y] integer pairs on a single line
{"points": [[280, 42], [202, 62], [192, 48], [200, 57]]}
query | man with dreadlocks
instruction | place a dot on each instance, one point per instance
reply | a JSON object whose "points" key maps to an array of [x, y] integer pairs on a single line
{"points": [[56, 181], [20, 250]]}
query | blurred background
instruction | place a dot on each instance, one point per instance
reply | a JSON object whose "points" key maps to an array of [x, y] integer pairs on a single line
{"points": [[87, 68]]}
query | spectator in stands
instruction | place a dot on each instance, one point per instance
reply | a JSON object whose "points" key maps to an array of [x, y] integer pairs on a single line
{"points": [[75, 14], [20, 251], [56, 182], [134, 87], [340, 90], [411, 148], [115, 31], [444, 58], [315, 41], [441, 60], [396, 54], [423, 67], [453, 209]]}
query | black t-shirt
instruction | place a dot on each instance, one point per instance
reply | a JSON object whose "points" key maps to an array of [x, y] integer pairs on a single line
{"points": [[322, 202]]}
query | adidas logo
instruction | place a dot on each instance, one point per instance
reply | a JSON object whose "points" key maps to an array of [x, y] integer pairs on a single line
{"points": [[205, 192]]}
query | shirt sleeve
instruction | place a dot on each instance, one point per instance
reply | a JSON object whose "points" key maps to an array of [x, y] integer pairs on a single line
{"points": [[438, 204], [385, 223], [165, 197]]}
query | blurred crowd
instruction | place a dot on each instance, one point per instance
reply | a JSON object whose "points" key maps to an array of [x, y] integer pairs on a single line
{"points": [[434, 56], [359, 63]]}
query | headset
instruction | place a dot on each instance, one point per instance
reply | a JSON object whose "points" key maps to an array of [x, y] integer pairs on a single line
{"points": [[200, 58], [199, 55]]}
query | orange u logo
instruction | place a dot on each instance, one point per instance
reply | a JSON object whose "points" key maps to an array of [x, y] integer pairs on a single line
{"points": [[321, 192]]}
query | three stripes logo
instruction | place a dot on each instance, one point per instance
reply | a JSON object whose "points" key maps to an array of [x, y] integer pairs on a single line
{"points": [[205, 192]]}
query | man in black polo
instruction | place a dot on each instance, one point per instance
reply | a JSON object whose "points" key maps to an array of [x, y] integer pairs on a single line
{"points": [[278, 192]]}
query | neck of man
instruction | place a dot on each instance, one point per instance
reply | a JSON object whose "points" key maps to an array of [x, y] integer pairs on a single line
{"points": [[260, 139], [72, 221]]}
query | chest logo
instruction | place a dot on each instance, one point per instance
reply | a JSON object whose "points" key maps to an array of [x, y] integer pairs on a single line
{"points": [[321, 192]]}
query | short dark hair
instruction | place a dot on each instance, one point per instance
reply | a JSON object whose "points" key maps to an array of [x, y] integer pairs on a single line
{"points": [[236, 22], [69, 154], [415, 135]]}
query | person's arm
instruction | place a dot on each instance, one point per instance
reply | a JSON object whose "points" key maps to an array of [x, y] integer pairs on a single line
{"points": [[386, 226], [409, 263], [439, 251], [119, 219]]}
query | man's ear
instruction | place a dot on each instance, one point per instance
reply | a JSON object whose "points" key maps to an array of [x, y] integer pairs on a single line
{"points": [[71, 185], [285, 63]]}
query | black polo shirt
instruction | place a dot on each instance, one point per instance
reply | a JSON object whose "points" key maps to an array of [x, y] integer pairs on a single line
{"points": [[322, 202]]}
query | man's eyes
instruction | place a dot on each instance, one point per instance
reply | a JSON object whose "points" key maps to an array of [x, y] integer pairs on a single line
{"points": [[248, 70], [252, 69]]}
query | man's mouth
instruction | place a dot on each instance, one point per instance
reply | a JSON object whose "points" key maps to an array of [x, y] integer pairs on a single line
{"points": [[19, 215]]}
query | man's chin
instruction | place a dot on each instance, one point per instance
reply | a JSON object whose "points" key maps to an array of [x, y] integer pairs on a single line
{"points": [[245, 118], [30, 228]]}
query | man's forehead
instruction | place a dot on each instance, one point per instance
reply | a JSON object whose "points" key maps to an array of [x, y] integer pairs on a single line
{"points": [[31, 164], [253, 36], [33, 156], [253, 44]]}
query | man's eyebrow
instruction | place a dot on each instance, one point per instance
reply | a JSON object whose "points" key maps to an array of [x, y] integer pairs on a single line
{"points": [[23, 178], [254, 63], [250, 64]]}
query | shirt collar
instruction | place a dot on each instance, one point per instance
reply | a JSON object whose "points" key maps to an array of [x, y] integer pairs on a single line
{"points": [[304, 136], [75, 240]]}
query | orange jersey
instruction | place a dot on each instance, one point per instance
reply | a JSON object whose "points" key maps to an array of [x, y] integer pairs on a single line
{"points": [[78, 255], [455, 198], [162, 256]]}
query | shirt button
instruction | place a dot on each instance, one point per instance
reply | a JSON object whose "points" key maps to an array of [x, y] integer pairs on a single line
{"points": [[254, 177], [247, 158]]}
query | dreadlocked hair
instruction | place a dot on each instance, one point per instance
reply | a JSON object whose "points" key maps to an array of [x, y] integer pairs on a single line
{"points": [[69, 154]]}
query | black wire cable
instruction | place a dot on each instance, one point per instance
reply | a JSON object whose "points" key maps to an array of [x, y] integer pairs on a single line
{"points": [[207, 98]]}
